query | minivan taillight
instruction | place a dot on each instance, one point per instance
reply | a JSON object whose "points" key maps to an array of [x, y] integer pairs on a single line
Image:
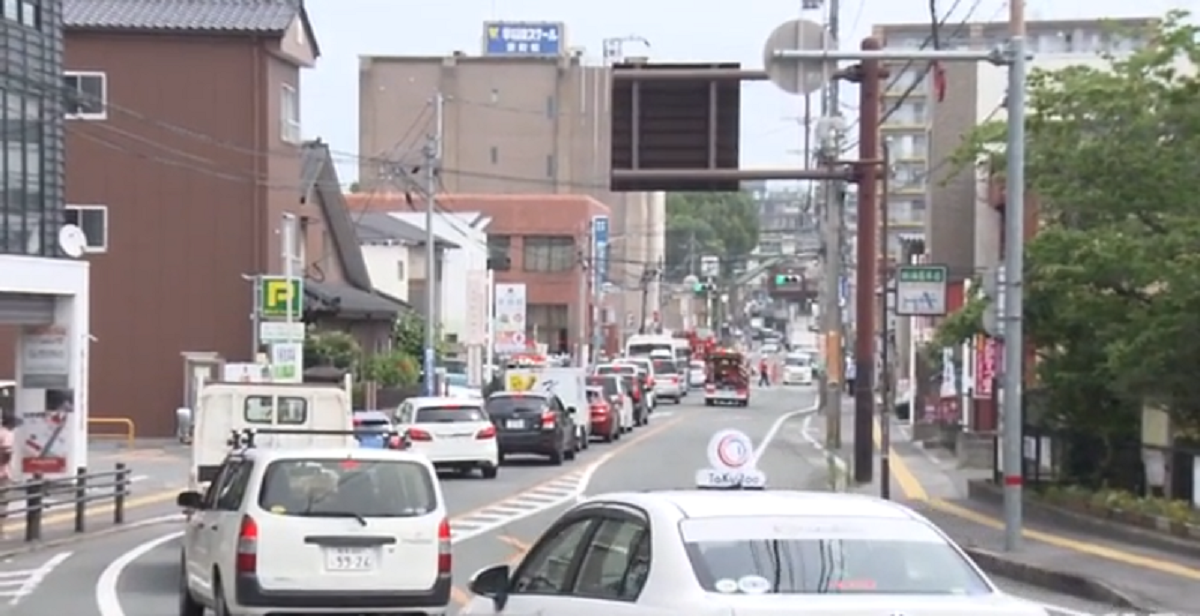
{"points": [[445, 560], [548, 420], [486, 433], [247, 546]]}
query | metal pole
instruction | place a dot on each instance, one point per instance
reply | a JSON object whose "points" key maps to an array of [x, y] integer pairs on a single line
{"points": [[885, 333], [256, 319], [587, 264], [433, 155], [1014, 271], [864, 292], [832, 239]]}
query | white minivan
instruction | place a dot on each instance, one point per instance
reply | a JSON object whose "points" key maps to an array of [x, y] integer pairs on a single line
{"points": [[343, 531]]}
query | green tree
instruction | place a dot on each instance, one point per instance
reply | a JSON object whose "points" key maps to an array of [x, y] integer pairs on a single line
{"points": [[698, 224], [354, 187], [331, 349], [1113, 276]]}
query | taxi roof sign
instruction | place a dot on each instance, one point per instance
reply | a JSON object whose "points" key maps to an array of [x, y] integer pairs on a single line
{"points": [[732, 463]]}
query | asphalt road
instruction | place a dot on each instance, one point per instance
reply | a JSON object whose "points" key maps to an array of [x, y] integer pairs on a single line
{"points": [[136, 572]]}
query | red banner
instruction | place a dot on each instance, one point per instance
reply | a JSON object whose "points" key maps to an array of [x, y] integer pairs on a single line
{"points": [[987, 366]]}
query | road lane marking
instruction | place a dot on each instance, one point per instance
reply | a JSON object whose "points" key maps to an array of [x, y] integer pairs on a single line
{"points": [[911, 486], [16, 585], [773, 431], [108, 601]]}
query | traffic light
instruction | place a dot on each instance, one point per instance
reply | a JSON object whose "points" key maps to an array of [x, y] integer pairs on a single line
{"points": [[786, 279], [701, 288]]}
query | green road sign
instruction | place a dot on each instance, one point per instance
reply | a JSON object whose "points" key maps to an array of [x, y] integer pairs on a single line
{"points": [[922, 273], [921, 290], [280, 297]]}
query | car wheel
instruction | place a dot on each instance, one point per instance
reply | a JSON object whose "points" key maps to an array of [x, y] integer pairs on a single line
{"points": [[587, 438], [569, 454], [188, 606], [489, 470], [556, 457], [708, 403]]}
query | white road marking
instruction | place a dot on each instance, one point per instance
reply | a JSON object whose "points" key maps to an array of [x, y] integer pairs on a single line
{"points": [[16, 585], [773, 431], [108, 601]]}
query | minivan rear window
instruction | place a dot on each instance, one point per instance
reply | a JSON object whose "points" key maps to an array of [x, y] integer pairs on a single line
{"points": [[449, 414], [665, 366], [508, 405], [331, 487]]}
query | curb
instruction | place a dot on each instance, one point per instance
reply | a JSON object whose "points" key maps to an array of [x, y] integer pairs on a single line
{"points": [[983, 491], [35, 546], [1056, 581]]}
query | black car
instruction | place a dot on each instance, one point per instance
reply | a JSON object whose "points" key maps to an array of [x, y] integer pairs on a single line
{"points": [[532, 423]]}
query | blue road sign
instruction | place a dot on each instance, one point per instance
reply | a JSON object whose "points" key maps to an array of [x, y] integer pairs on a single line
{"points": [[600, 249], [522, 38]]}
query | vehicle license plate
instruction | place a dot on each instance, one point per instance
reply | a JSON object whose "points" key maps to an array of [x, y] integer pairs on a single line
{"points": [[349, 559], [515, 424]]}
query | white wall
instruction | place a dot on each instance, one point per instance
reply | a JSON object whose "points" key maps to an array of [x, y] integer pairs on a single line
{"points": [[460, 307], [386, 264]]}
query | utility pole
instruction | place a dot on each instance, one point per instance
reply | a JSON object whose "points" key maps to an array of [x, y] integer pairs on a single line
{"points": [[587, 264], [1014, 270], [831, 226], [885, 337], [433, 161]]}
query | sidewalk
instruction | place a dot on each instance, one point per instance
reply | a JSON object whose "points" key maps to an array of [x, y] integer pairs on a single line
{"points": [[1054, 556]]}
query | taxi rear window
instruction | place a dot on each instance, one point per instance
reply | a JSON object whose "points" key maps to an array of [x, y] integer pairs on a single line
{"points": [[449, 414], [347, 488], [817, 555]]}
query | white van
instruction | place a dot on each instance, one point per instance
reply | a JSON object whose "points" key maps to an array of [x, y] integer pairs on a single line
{"points": [[225, 408]]}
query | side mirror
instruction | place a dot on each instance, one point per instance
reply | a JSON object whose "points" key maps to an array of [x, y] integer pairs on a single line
{"points": [[491, 582], [570, 410], [189, 500]]}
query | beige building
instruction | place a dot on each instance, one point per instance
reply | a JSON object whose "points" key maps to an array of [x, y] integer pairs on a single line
{"points": [[513, 125], [925, 192]]}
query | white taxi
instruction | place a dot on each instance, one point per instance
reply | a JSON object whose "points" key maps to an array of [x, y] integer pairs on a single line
{"points": [[454, 433], [336, 531], [741, 553]]}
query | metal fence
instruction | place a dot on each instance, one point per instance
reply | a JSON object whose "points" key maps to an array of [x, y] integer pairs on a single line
{"points": [[32, 499], [1059, 456]]}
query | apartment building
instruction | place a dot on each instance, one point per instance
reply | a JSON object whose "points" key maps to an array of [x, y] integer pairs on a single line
{"points": [[512, 124], [926, 194]]}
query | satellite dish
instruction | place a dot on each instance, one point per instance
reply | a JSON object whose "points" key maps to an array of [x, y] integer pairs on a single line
{"points": [[72, 241], [798, 76]]}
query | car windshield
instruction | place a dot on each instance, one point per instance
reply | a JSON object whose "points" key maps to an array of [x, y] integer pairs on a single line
{"points": [[812, 555], [449, 414], [610, 369], [606, 383], [347, 488], [801, 361], [646, 349], [696, 365], [594, 395], [665, 366]]}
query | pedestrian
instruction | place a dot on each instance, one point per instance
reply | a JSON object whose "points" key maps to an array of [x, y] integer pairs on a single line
{"points": [[850, 373], [8, 442], [764, 378]]}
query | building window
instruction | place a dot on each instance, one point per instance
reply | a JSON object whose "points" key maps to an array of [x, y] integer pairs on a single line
{"points": [[289, 118], [401, 267], [548, 253], [93, 219], [293, 243], [499, 247], [908, 176], [86, 95], [31, 14], [11, 9]]}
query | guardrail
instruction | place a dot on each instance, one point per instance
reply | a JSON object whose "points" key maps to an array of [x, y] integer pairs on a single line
{"points": [[32, 499], [129, 434]]}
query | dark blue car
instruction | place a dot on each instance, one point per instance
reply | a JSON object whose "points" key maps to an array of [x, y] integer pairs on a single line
{"points": [[374, 430]]}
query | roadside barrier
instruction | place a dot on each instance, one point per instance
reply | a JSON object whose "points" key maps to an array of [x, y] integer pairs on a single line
{"points": [[33, 498], [128, 429]]}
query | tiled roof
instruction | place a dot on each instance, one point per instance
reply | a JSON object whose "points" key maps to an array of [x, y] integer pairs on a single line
{"points": [[251, 16]]}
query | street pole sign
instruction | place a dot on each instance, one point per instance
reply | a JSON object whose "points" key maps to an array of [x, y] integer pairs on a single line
{"points": [[599, 251], [921, 290], [281, 297]]}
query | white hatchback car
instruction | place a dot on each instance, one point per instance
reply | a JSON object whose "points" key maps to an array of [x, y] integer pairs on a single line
{"points": [[697, 373], [454, 433], [335, 531], [749, 553]]}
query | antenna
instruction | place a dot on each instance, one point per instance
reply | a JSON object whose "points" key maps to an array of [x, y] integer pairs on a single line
{"points": [[72, 240]]}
